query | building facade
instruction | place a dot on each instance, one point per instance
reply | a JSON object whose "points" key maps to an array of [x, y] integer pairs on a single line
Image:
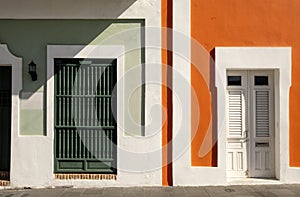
{"points": [[148, 93]]}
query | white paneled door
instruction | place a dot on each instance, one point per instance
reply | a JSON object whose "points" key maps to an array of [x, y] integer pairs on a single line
{"points": [[250, 124]]}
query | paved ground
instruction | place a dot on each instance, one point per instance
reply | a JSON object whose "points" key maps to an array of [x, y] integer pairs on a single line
{"points": [[242, 191]]}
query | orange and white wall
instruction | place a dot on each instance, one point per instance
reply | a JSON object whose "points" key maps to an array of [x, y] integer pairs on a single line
{"points": [[32, 155], [199, 40], [229, 35]]}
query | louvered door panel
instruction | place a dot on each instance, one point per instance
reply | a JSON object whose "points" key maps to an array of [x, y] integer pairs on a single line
{"points": [[235, 113], [262, 143], [262, 113]]}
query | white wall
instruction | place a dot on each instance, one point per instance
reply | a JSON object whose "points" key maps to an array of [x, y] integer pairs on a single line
{"points": [[32, 156], [183, 172]]}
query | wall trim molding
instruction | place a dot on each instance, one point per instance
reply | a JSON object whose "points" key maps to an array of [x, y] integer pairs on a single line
{"points": [[82, 51], [277, 59]]}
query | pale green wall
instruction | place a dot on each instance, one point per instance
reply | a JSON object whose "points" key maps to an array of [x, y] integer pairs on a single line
{"points": [[28, 39]]}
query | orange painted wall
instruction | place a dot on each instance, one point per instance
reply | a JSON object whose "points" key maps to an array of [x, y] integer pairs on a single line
{"points": [[245, 23]]}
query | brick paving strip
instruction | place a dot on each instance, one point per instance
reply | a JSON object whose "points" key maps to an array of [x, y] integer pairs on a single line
{"points": [[208, 191]]}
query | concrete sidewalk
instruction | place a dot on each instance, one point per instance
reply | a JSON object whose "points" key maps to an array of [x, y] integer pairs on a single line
{"points": [[240, 190]]}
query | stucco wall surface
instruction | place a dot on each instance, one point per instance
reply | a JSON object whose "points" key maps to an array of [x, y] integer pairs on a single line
{"points": [[29, 38], [251, 23], [231, 23], [94, 23]]}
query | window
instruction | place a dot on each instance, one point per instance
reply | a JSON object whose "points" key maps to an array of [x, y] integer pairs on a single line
{"points": [[261, 80], [234, 80], [85, 128]]}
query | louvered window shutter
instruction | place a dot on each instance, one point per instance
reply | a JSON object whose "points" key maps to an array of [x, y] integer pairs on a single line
{"points": [[235, 114], [262, 113], [85, 128]]}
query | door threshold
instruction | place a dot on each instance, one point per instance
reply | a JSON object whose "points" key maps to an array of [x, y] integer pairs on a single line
{"points": [[253, 181]]}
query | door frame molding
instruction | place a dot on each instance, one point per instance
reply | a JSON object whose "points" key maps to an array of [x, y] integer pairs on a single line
{"points": [[83, 51], [277, 59], [7, 58]]}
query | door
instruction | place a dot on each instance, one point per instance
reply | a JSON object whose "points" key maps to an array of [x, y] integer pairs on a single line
{"points": [[250, 120], [5, 121], [85, 128]]}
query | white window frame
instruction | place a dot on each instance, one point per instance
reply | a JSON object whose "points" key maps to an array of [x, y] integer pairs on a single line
{"points": [[82, 51]]}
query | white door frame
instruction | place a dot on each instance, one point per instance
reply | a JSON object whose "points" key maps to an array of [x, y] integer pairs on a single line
{"points": [[277, 59]]}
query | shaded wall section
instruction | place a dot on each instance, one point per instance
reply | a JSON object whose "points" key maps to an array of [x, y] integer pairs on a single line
{"points": [[28, 39], [247, 23], [167, 99]]}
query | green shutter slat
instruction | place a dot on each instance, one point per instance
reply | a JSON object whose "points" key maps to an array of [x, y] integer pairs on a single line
{"points": [[105, 145], [68, 101], [86, 138], [61, 143], [101, 105], [90, 150], [80, 99], [66, 105], [67, 79], [96, 99], [77, 106], [87, 144], [102, 144], [90, 144], [72, 104], [71, 143], [82, 93], [67, 137], [92, 98], [74, 143], [66, 143], [95, 144], [111, 144], [88, 101], [59, 111], [107, 111], [80, 144], [106, 92], [84, 143]]}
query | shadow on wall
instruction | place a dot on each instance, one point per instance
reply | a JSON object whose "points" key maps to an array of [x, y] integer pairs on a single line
{"points": [[28, 39], [64, 8], [214, 97]]}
